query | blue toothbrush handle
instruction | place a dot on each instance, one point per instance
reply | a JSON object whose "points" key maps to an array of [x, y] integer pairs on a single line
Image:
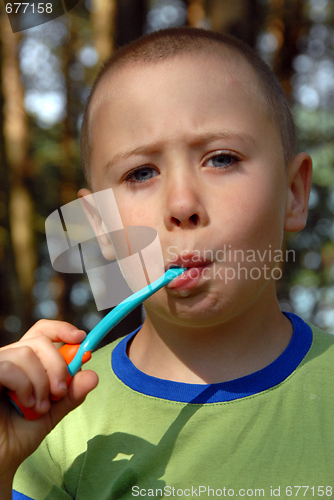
{"points": [[117, 314]]}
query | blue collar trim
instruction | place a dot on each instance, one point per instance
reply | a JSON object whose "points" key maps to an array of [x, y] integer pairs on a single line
{"points": [[254, 383]]}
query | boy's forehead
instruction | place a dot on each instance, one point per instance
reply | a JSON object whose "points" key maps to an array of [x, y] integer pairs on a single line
{"points": [[192, 72]]}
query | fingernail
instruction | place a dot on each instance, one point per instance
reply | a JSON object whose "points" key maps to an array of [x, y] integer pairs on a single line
{"points": [[79, 331], [31, 401], [44, 405], [62, 386]]}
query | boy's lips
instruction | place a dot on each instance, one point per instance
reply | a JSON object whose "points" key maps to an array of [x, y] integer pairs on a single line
{"points": [[188, 279]]}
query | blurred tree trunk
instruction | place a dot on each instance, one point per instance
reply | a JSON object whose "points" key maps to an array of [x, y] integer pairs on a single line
{"points": [[10, 293], [103, 22], [196, 13], [130, 20], [287, 23], [19, 205], [240, 18]]}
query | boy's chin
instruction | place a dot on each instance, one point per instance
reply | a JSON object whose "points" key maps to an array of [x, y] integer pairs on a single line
{"points": [[196, 307], [216, 301]]}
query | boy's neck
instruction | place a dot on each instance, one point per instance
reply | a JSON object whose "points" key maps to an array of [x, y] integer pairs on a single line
{"points": [[213, 354]]}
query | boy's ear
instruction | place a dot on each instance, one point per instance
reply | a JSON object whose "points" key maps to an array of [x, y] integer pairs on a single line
{"points": [[93, 215], [298, 191]]}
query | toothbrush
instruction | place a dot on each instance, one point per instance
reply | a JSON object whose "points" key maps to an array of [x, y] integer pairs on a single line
{"points": [[76, 355]]}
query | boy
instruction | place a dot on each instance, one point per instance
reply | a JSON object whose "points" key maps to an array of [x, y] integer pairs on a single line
{"points": [[218, 393]]}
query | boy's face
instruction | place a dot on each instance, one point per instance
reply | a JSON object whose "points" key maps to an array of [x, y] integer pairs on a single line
{"points": [[188, 148]]}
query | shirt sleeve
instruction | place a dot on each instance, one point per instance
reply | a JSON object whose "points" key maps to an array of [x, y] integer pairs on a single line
{"points": [[19, 496], [39, 477]]}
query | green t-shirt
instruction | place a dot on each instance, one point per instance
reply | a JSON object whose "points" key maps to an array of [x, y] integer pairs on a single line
{"points": [[268, 434]]}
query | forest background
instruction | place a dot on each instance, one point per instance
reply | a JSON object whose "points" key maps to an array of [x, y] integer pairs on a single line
{"points": [[45, 77]]}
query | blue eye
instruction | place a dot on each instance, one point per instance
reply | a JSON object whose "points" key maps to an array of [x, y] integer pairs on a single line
{"points": [[222, 160], [141, 174]]}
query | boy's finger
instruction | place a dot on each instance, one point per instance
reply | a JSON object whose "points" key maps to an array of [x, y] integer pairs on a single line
{"points": [[57, 331], [14, 378], [26, 361], [53, 362], [83, 382]]}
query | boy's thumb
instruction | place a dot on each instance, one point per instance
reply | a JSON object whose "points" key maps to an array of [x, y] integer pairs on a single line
{"points": [[81, 384]]}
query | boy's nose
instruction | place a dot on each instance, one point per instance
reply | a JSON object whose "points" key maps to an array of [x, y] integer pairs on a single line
{"points": [[185, 206]]}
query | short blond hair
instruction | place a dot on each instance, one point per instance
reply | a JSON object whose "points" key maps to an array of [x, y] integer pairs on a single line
{"points": [[160, 45]]}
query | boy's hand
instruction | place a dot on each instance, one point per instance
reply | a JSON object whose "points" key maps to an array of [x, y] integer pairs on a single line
{"points": [[34, 369]]}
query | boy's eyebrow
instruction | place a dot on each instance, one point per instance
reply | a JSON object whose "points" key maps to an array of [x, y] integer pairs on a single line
{"points": [[195, 141]]}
